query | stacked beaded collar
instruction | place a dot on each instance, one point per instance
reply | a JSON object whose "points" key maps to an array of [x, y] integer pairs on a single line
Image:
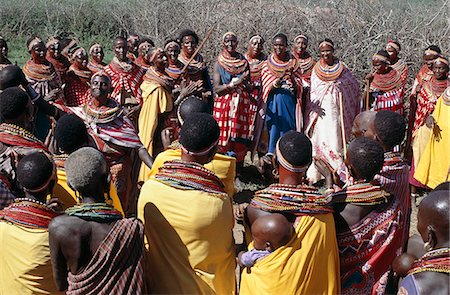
{"points": [[17, 136], [174, 70], [190, 176], [233, 65], [298, 200], [28, 213], [437, 87], [162, 79], [305, 64], [103, 114], [280, 68], [364, 194], [82, 73], [386, 82], [196, 65], [256, 66], [39, 72], [437, 261], [329, 73], [98, 212]]}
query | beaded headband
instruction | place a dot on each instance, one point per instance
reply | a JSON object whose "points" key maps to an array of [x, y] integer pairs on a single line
{"points": [[301, 36], [442, 60], [202, 152], [393, 45], [146, 45], [93, 47], [431, 52], [36, 40], [47, 182], [283, 162], [51, 42], [228, 33], [132, 38], [170, 44], [381, 57], [325, 43], [100, 74], [257, 37], [78, 52]]}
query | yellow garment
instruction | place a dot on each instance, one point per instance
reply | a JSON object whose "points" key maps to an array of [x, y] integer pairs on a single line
{"points": [[66, 195], [188, 238], [420, 142], [222, 166], [308, 264], [433, 167], [25, 266], [155, 100]]}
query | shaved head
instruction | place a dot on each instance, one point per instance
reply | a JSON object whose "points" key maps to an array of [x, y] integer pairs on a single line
{"points": [[272, 229], [434, 218], [362, 123], [11, 76]]}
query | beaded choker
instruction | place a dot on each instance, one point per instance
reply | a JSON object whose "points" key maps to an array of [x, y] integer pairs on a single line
{"points": [[256, 66], [437, 87], [328, 73], [85, 74], [298, 200], [174, 70], [196, 64], [436, 261], [98, 212], [28, 213], [364, 194], [162, 79], [103, 114], [17, 136], [190, 176], [280, 68], [386, 82], [39, 72], [233, 65]]}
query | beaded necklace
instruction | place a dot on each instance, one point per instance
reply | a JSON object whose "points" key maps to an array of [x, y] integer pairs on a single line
{"points": [[295, 199], [28, 213], [174, 70], [329, 73], [437, 87], [82, 73], [39, 72], [126, 66], [18, 136], [436, 261], [306, 65], [98, 212], [386, 82], [190, 176], [364, 194], [60, 160], [400, 66], [162, 79], [256, 66], [233, 65], [196, 64], [281, 68], [103, 114]]}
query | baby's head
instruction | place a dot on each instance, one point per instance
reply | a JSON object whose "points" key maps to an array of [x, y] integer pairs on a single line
{"points": [[271, 231]]}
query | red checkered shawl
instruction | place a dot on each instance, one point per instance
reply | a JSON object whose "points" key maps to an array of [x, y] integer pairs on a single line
{"points": [[117, 265], [125, 76]]}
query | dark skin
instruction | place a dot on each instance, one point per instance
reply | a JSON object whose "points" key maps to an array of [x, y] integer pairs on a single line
{"points": [[327, 54], [188, 45], [54, 50], [4, 52], [120, 48], [255, 49], [362, 124], [393, 54], [229, 45], [100, 90], [380, 67], [73, 241], [300, 46], [97, 54], [173, 51], [133, 44]]}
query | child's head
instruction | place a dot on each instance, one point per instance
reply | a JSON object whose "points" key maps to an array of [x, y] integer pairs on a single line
{"points": [[365, 158], [271, 231]]}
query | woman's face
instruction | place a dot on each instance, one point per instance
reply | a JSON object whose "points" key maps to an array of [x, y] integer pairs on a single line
{"points": [[97, 54], [160, 60], [230, 43], [188, 44], [379, 66], [279, 46], [172, 52], [327, 54], [54, 50], [120, 49], [440, 70], [256, 46], [38, 52], [81, 60], [428, 59], [392, 52], [300, 45]]}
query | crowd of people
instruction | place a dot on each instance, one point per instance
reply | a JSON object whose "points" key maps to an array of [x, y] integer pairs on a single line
{"points": [[119, 178]]}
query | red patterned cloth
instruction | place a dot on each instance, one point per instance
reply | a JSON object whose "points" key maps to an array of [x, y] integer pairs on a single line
{"points": [[126, 78], [117, 265], [28, 213], [75, 90], [232, 110], [402, 68], [61, 65], [424, 74], [95, 66], [426, 100], [388, 90]]}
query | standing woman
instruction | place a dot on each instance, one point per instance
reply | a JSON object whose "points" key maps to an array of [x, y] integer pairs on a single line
{"points": [[77, 80], [144, 47], [173, 48], [96, 63], [305, 60], [330, 80], [197, 69], [232, 104], [43, 79], [157, 101], [398, 64], [256, 58], [386, 84], [281, 92], [59, 61], [4, 61]]}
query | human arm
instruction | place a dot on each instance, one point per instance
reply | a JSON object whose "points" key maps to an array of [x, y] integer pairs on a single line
{"points": [[145, 157], [59, 263], [330, 174]]}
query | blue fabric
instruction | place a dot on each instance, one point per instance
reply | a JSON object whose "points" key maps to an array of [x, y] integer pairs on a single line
{"points": [[280, 115], [43, 125], [225, 76]]}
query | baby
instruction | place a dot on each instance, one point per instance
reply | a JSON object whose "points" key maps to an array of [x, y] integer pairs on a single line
{"points": [[269, 232]]}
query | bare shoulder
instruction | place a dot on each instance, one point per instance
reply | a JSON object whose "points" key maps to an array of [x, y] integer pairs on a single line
{"points": [[432, 282], [65, 225]]}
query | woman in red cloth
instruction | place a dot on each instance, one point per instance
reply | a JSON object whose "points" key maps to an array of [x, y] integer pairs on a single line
{"points": [[143, 51], [256, 58], [59, 61], [78, 78], [97, 54], [386, 84], [232, 104], [398, 64]]}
